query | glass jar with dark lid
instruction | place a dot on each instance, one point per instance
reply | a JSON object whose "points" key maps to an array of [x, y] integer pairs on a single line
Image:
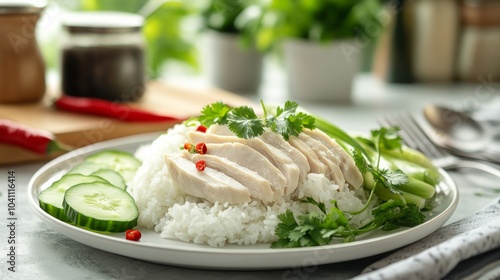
{"points": [[22, 69], [103, 56]]}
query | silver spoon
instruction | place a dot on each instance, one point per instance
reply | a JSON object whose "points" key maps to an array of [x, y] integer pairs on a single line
{"points": [[458, 131]]}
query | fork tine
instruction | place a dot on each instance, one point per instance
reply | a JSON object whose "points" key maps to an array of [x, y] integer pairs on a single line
{"points": [[423, 143], [411, 133]]}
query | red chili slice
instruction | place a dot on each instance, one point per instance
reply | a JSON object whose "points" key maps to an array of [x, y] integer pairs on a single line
{"points": [[201, 148], [201, 128], [200, 165], [133, 234], [188, 146]]}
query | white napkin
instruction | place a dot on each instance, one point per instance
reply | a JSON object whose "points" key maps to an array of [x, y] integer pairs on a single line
{"points": [[437, 254]]}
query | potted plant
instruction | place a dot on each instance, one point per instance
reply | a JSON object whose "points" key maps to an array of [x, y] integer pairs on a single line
{"points": [[232, 64], [322, 42]]}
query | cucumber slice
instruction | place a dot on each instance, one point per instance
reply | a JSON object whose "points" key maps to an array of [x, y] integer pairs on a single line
{"points": [[128, 174], [87, 168], [113, 177], [51, 199], [120, 161], [100, 206]]}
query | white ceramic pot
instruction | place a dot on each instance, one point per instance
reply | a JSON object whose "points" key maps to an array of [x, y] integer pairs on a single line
{"points": [[231, 66], [321, 72]]}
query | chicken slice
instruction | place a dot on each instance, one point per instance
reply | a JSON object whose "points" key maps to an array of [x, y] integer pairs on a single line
{"points": [[209, 184], [258, 187], [351, 173], [329, 159], [279, 143], [299, 158], [249, 158], [219, 130], [278, 158], [316, 166]]}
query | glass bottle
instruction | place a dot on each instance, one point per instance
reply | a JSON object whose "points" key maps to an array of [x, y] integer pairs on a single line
{"points": [[103, 56], [22, 69]]}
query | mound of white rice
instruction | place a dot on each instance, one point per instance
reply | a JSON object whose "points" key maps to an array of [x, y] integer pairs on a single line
{"points": [[177, 215]]}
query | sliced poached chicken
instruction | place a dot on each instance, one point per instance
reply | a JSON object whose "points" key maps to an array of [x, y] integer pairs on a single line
{"points": [[247, 157], [352, 175], [277, 157], [264, 168], [330, 160], [258, 187], [299, 159], [209, 184]]}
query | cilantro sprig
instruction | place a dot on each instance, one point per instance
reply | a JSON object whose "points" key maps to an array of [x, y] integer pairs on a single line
{"points": [[287, 121], [244, 122], [321, 228], [213, 113], [383, 138]]}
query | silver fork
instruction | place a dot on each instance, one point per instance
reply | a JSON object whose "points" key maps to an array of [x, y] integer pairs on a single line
{"points": [[415, 138]]}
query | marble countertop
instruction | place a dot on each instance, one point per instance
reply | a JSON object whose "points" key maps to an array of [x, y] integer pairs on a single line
{"points": [[43, 253]]}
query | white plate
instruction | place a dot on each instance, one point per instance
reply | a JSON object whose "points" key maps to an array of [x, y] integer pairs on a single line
{"points": [[155, 249]]}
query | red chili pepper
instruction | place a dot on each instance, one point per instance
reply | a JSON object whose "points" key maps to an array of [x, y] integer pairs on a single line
{"points": [[101, 107], [200, 165], [201, 148], [188, 146], [201, 128], [36, 140], [133, 234]]}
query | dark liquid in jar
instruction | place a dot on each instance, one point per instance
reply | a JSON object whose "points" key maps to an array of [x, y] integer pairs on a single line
{"points": [[114, 73]]}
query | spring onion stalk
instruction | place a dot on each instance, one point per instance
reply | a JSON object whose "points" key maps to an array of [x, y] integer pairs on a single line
{"points": [[425, 176], [413, 156], [419, 188], [338, 134], [386, 195], [422, 174]]}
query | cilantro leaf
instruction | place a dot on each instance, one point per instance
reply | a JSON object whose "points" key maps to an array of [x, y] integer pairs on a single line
{"points": [[287, 218], [243, 122], [312, 229], [286, 225], [278, 125], [308, 121], [385, 179], [214, 113], [283, 243], [410, 216], [396, 213], [284, 230], [388, 138], [360, 161], [287, 122], [289, 109], [395, 178], [296, 235]]}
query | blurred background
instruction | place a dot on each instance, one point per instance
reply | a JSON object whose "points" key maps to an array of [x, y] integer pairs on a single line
{"points": [[398, 41]]}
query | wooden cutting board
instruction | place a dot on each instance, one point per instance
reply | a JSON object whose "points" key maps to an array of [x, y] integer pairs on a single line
{"points": [[79, 130]]}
